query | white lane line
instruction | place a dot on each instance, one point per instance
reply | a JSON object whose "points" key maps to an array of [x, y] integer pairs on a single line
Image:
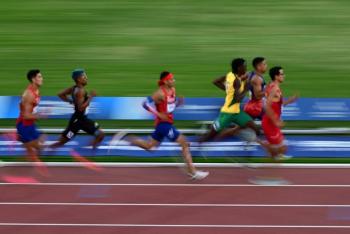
{"points": [[180, 185], [210, 165], [174, 225], [170, 204]]}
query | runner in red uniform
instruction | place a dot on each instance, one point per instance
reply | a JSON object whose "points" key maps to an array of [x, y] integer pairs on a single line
{"points": [[271, 122], [165, 101], [27, 131]]}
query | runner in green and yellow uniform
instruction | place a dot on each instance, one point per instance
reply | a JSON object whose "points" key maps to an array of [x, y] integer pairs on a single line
{"points": [[234, 83]]}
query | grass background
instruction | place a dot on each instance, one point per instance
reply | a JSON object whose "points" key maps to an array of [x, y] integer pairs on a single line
{"points": [[123, 45]]}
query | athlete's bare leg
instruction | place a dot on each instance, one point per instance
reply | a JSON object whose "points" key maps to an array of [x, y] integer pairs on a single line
{"points": [[211, 134], [100, 136], [146, 145], [33, 148], [273, 150], [227, 132], [62, 141], [277, 151], [186, 154]]}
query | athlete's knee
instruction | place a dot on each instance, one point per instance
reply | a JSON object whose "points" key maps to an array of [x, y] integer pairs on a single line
{"points": [[62, 141], [150, 145], [185, 145]]}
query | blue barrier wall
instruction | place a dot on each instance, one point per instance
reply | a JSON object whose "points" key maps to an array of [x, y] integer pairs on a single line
{"points": [[298, 146], [130, 108]]}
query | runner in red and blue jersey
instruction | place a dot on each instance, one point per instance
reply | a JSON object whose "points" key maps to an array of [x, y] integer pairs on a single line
{"points": [[256, 85], [165, 101], [27, 130]]}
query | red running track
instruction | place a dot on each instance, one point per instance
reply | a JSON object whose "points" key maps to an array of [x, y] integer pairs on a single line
{"points": [[163, 200]]}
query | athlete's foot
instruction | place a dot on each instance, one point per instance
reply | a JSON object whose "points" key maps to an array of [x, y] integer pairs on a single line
{"points": [[116, 139], [198, 175], [41, 168], [85, 162]]}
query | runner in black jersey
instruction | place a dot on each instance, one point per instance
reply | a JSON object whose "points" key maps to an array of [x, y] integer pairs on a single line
{"points": [[78, 96]]}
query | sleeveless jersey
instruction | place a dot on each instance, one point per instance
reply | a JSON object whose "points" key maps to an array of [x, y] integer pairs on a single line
{"points": [[250, 87], [167, 106], [272, 132], [34, 104], [230, 106], [277, 99], [77, 112]]}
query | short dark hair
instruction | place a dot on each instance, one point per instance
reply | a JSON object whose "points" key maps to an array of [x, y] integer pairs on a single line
{"points": [[275, 71], [32, 73], [163, 74], [257, 61], [77, 73], [236, 63]]}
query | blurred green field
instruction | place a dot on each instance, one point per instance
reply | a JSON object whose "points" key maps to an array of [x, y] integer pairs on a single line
{"points": [[124, 45]]}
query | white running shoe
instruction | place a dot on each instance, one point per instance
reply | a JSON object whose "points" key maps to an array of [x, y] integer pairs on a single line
{"points": [[282, 157], [116, 139], [199, 175]]}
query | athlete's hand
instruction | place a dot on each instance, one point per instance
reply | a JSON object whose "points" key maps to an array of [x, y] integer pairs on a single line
{"points": [[294, 98], [163, 116], [291, 99], [180, 101], [280, 123], [244, 77], [42, 115], [93, 93], [45, 112]]}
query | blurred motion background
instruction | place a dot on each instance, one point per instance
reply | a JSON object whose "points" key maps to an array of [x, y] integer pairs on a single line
{"points": [[123, 45]]}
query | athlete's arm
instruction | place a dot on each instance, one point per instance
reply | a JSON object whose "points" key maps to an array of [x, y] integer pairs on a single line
{"points": [[290, 100], [256, 83], [155, 98], [27, 102], [220, 82], [148, 105], [238, 96], [269, 111], [64, 95], [80, 96]]}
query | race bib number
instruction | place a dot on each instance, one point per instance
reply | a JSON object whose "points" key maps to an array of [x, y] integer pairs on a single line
{"points": [[69, 135], [36, 109], [171, 107]]}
